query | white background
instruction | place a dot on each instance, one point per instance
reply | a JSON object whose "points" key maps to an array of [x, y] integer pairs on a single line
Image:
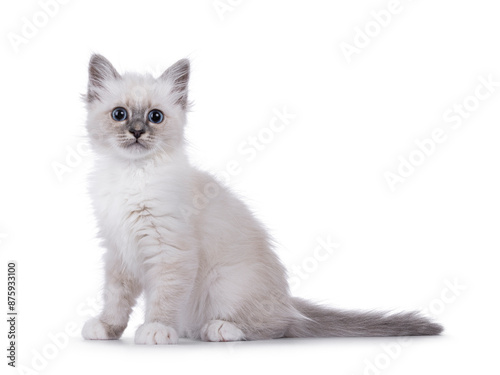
{"points": [[321, 176]]}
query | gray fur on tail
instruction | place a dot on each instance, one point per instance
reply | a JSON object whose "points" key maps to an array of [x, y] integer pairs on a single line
{"points": [[326, 322]]}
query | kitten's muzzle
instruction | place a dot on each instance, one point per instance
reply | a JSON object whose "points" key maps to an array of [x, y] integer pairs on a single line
{"points": [[137, 128], [137, 132]]}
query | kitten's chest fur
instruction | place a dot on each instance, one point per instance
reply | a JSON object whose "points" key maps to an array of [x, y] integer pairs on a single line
{"points": [[133, 204]]}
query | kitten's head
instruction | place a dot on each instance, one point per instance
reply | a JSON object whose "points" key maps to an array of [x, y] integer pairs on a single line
{"points": [[132, 115]]}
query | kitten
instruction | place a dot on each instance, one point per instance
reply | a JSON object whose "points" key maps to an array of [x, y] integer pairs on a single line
{"points": [[206, 272]]}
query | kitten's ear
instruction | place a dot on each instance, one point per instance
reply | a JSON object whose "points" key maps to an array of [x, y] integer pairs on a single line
{"points": [[178, 75], [100, 70]]}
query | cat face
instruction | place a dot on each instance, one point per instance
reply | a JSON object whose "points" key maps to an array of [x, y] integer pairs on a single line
{"points": [[135, 116]]}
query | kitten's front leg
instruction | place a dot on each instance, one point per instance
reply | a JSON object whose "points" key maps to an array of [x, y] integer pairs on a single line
{"points": [[169, 279], [120, 293]]}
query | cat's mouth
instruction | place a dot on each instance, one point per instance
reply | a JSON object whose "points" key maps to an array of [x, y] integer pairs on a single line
{"points": [[135, 144]]}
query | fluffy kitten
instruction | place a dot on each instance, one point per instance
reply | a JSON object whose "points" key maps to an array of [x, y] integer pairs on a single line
{"points": [[207, 268]]}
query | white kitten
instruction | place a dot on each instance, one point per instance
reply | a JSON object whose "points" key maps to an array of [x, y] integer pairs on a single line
{"points": [[206, 268]]}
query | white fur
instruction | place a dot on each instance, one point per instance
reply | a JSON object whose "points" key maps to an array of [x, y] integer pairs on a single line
{"points": [[172, 232], [94, 329], [155, 333], [175, 233], [219, 330]]}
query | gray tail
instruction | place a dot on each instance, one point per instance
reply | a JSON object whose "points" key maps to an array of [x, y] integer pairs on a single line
{"points": [[321, 321]]}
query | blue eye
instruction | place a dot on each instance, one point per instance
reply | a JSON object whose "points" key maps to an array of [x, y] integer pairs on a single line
{"points": [[119, 114], [155, 116]]}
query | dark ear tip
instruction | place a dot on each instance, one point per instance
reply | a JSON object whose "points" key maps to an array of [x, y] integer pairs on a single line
{"points": [[94, 57], [178, 72], [97, 58], [183, 65], [100, 67]]}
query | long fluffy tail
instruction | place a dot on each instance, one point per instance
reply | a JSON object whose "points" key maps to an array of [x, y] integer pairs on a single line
{"points": [[321, 321]]}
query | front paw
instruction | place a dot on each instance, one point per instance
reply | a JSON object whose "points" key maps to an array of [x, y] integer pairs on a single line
{"points": [[155, 334], [95, 329]]}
